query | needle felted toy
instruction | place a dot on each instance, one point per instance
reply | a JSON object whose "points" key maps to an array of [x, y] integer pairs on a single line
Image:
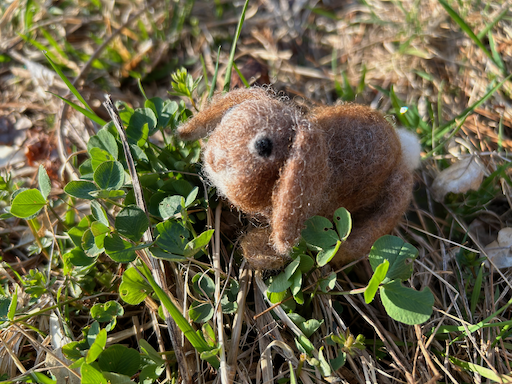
{"points": [[282, 165]]}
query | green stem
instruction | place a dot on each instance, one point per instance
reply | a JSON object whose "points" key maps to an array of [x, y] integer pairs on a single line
{"points": [[33, 224]]}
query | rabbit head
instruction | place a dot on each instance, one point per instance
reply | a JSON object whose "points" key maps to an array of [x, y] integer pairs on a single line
{"points": [[264, 157]]}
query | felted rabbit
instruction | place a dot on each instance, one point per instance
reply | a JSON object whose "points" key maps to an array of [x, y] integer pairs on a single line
{"points": [[275, 162]]}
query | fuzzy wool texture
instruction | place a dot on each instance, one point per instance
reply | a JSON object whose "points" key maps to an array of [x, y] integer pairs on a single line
{"points": [[312, 163]]}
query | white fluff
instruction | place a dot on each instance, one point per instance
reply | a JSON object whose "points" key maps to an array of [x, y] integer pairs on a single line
{"points": [[411, 148]]}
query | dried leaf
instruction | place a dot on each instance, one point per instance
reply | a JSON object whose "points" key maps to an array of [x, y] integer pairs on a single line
{"points": [[458, 178], [499, 251]]}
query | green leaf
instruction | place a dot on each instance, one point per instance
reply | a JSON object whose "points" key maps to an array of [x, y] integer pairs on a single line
{"points": [[199, 242], [325, 369], [309, 327], [182, 187], [173, 237], [91, 375], [45, 184], [276, 297], [338, 361], [373, 285], [149, 351], [78, 363], [12, 306], [78, 258], [279, 283], [109, 175], [282, 281], [41, 378], [118, 249], [328, 283], [397, 252], [161, 254], [191, 197], [296, 282], [143, 123], [171, 206], [120, 359], [89, 244], [76, 233], [133, 288], [99, 230], [5, 305], [209, 335], [103, 194], [80, 189], [106, 312], [296, 318], [343, 222], [200, 312], [228, 306], [203, 285], [405, 304], [319, 233], [117, 378], [132, 222], [326, 255], [105, 141], [164, 111], [305, 263], [211, 356], [99, 213], [99, 156], [97, 347], [94, 330], [150, 373], [304, 345], [86, 169], [27, 203]]}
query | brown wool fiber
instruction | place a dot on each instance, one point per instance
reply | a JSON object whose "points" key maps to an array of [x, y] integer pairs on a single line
{"points": [[271, 160]]}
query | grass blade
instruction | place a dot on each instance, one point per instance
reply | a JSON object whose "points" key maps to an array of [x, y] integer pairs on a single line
{"points": [[196, 339], [53, 43], [87, 113], [214, 80], [70, 86], [205, 73], [489, 26], [227, 78], [241, 76], [462, 116], [485, 372], [496, 56], [462, 24], [476, 290]]}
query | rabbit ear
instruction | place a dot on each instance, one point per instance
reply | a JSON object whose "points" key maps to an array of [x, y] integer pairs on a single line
{"points": [[300, 188], [206, 120]]}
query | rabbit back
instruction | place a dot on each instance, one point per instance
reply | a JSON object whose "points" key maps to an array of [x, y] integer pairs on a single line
{"points": [[364, 151]]}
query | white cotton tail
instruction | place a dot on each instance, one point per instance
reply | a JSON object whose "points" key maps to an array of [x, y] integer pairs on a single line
{"points": [[411, 148]]}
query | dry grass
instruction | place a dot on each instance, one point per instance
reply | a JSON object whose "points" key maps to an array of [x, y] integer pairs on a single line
{"points": [[412, 46]]}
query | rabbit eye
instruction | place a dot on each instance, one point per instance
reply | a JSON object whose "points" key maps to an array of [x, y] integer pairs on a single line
{"points": [[263, 147]]}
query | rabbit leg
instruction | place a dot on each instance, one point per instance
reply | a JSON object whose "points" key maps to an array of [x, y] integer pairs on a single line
{"points": [[370, 225], [259, 252]]}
